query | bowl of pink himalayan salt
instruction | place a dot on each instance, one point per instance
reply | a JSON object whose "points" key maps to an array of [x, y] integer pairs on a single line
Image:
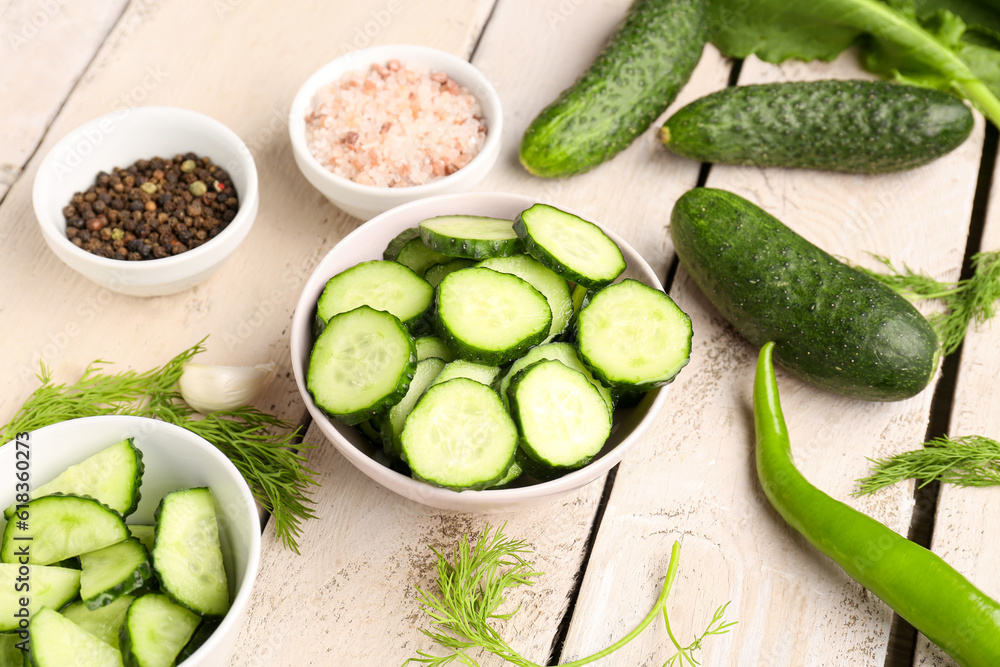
{"points": [[390, 124]]}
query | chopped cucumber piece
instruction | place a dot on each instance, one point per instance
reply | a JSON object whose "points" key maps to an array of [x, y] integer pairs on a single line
{"points": [[60, 527], [553, 286], [383, 285], [361, 364], [391, 421], [563, 352], [577, 250], [490, 317], [470, 236], [459, 436], [104, 622], [633, 337], [433, 346], [43, 585], [155, 631], [187, 555], [111, 572], [460, 368], [562, 418], [111, 476], [57, 642]]}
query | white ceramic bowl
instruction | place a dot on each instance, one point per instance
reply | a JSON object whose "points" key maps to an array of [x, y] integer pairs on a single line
{"points": [[174, 458], [367, 242], [364, 201], [118, 139]]}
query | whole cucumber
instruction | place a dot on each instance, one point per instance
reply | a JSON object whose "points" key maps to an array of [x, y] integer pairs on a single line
{"points": [[850, 126], [634, 79], [832, 325]]}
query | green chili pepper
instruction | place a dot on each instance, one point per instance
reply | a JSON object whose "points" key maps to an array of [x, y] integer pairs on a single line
{"points": [[922, 588]]}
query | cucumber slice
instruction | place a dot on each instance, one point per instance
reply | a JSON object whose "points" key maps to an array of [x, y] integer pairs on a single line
{"points": [[111, 572], [43, 585], [563, 352], [383, 285], [105, 622], [419, 257], [57, 642], [187, 555], [392, 249], [553, 286], [436, 273], [60, 527], [560, 415], [433, 346], [143, 533], [470, 236], [111, 476], [459, 436], [361, 364], [460, 368], [155, 631], [577, 250], [633, 337], [391, 421], [490, 317], [200, 636]]}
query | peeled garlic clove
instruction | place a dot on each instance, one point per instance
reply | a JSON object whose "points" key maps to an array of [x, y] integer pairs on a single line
{"points": [[208, 388]]}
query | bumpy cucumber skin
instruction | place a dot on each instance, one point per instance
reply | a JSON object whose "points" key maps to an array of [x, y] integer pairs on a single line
{"points": [[864, 127], [832, 325], [633, 80]]}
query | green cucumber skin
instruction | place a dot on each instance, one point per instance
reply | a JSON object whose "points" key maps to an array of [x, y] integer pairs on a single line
{"points": [[863, 127], [634, 79], [832, 325]]}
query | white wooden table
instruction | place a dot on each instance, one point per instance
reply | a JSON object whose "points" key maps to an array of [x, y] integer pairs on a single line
{"points": [[349, 598]]}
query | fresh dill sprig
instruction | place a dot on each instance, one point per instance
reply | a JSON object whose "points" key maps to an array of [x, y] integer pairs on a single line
{"points": [[717, 626], [966, 301], [259, 445], [971, 460], [472, 587]]}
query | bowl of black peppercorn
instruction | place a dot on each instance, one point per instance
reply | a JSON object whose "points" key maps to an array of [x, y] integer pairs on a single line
{"points": [[146, 201]]}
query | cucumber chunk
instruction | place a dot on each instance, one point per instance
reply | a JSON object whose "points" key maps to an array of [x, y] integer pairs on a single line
{"points": [[155, 631], [633, 337], [104, 622], [57, 642], [60, 527], [113, 571], [459, 435], [43, 585], [383, 285], [553, 286], [361, 364], [187, 555], [577, 250], [391, 421], [470, 236], [111, 476], [561, 417], [490, 317]]}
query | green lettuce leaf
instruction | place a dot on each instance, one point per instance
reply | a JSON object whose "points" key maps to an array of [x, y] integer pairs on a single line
{"points": [[933, 49]]}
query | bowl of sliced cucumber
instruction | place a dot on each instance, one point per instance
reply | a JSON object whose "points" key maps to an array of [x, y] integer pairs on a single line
{"points": [[138, 541], [485, 351]]}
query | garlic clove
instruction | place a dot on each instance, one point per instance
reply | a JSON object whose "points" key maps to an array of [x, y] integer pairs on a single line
{"points": [[208, 388]]}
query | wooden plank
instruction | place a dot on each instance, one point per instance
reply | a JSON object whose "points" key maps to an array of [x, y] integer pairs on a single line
{"points": [[966, 531], [694, 479], [45, 48], [335, 584]]}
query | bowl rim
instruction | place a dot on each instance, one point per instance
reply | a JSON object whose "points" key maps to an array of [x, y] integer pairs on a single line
{"points": [[231, 622], [457, 67], [413, 489], [234, 231]]}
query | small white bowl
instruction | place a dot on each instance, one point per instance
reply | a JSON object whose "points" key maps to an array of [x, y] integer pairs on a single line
{"points": [[367, 242], [118, 139], [174, 458], [364, 201]]}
